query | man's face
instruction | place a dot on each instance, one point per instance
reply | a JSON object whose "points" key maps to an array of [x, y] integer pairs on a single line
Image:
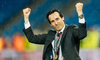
{"points": [[56, 21]]}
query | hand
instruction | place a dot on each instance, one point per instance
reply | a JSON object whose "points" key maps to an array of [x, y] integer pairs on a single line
{"points": [[26, 13], [79, 7]]}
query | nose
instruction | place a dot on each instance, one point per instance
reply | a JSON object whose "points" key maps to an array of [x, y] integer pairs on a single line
{"points": [[56, 23]]}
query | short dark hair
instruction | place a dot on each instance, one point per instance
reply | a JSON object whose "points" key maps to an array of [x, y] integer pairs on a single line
{"points": [[52, 11]]}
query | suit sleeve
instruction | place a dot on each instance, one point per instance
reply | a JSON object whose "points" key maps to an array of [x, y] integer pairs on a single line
{"points": [[81, 31], [37, 39]]}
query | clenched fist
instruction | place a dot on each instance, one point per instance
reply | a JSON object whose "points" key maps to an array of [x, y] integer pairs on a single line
{"points": [[79, 8], [26, 13]]}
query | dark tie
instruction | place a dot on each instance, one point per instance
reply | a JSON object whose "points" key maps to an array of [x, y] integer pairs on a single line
{"points": [[59, 36]]}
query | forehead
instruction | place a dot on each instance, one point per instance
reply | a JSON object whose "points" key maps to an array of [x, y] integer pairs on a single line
{"points": [[54, 15]]}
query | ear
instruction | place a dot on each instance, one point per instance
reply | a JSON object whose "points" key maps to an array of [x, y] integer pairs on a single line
{"points": [[62, 18]]}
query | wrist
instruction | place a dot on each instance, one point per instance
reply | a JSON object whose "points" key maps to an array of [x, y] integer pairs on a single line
{"points": [[26, 21], [80, 13], [81, 16]]}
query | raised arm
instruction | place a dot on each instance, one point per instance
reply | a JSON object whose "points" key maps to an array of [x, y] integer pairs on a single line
{"points": [[37, 39], [81, 31]]}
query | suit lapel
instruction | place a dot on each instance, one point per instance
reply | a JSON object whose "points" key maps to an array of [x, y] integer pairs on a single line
{"points": [[50, 39], [64, 34]]}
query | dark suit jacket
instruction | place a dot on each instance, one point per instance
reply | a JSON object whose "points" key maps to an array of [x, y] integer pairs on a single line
{"points": [[70, 41]]}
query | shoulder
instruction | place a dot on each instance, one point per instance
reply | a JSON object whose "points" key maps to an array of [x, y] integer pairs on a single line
{"points": [[72, 26], [51, 31]]}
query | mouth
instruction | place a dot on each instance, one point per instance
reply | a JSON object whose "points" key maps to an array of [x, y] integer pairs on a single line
{"points": [[57, 26]]}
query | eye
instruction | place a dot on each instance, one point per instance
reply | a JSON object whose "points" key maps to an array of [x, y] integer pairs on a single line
{"points": [[52, 21], [57, 18]]}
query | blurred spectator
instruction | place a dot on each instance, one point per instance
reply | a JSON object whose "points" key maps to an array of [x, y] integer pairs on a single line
{"points": [[1, 43], [18, 42], [9, 53]]}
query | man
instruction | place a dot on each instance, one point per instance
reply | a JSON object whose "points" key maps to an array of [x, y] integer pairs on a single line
{"points": [[62, 44]]}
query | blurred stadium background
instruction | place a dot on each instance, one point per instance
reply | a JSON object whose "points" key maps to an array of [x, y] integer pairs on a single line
{"points": [[13, 43]]}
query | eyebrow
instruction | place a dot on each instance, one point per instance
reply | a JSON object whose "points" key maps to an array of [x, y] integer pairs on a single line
{"points": [[57, 18]]}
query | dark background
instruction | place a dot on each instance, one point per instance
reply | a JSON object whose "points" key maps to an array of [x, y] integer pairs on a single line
{"points": [[12, 21]]}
